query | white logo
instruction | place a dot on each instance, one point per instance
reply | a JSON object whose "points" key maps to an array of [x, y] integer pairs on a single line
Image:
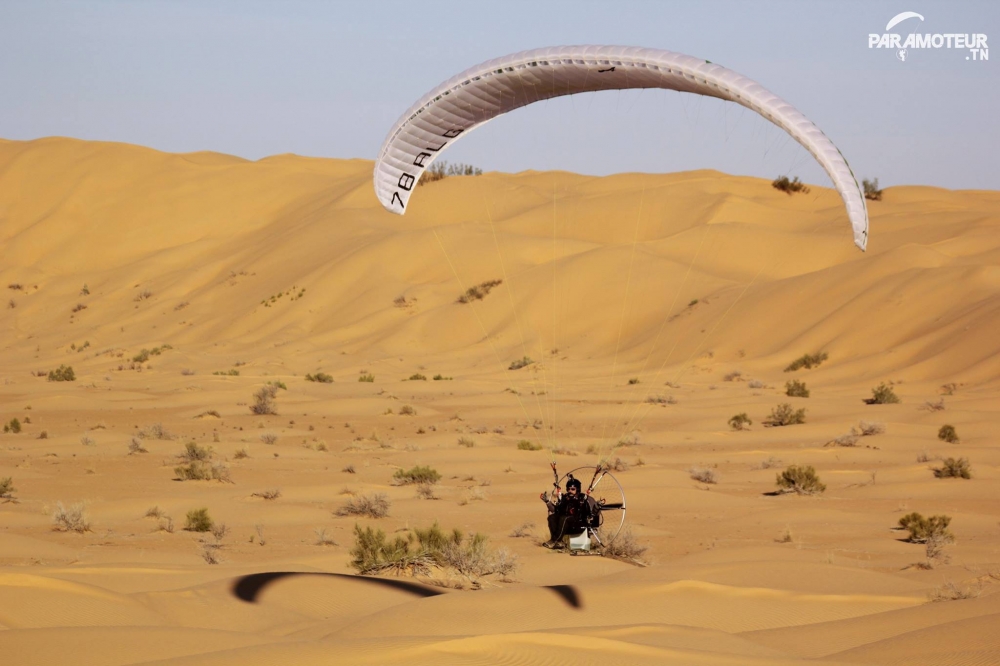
{"points": [[975, 42]]}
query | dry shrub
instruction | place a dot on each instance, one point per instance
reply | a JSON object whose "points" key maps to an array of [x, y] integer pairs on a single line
{"points": [[740, 421], [269, 438], [263, 400], [371, 505], [734, 376], [523, 530], [155, 431], [789, 187], [166, 524], [565, 451], [525, 445], [87, 440], [241, 453], [73, 519], [322, 539], [799, 479], [269, 494], [924, 456], [936, 406], [850, 439], [467, 442], [951, 591], [618, 465], [796, 389], [954, 469], [948, 434], [756, 384], [923, 529], [870, 428], [407, 410], [349, 470], [883, 395], [7, 488], [155, 512], [426, 491], [135, 446], [520, 363], [210, 553], [194, 452], [624, 547], [703, 475], [785, 415], [661, 400], [768, 463], [320, 377]]}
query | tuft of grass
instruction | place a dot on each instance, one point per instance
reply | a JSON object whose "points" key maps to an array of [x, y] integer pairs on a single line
{"points": [[796, 389], [740, 421], [320, 377], [801, 480], [198, 520], [703, 475], [525, 445], [789, 187], [883, 395], [64, 373], [373, 505], [947, 434], [807, 361], [785, 415], [954, 469], [417, 474], [73, 519]]}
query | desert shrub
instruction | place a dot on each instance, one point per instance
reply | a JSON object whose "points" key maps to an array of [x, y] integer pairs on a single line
{"points": [[952, 591], [282, 385], [633, 381], [7, 488], [478, 292], [617, 465], [954, 469], [320, 377], [871, 189], [141, 357], [799, 479], [756, 384], [523, 530], [13, 426], [241, 454], [87, 440], [154, 512], [947, 434], [374, 553], [417, 474], [263, 401], [322, 539], [269, 438], [407, 410], [220, 472], [796, 389], [870, 428], [467, 442], [850, 439], [269, 494], [64, 373], [935, 406], [426, 491], [195, 471], [922, 529], [155, 431], [734, 376], [73, 519], [193, 451], [740, 422], [949, 388], [703, 475], [198, 520], [522, 362], [661, 400], [135, 446], [43, 434], [631, 439], [366, 378], [789, 186], [232, 372], [807, 361], [525, 445], [417, 377], [883, 395], [219, 531], [624, 547], [784, 415], [374, 505], [441, 170], [441, 378], [349, 470], [565, 451]]}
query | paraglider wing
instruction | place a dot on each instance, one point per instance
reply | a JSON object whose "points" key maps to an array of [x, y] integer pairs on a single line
{"points": [[498, 86]]}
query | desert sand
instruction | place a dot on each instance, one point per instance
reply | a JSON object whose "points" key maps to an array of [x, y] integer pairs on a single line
{"points": [[654, 306]]}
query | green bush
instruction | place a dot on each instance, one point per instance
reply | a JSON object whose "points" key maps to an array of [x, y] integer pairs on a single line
{"points": [[194, 451], [922, 529], [417, 377], [478, 292], [883, 395], [366, 378], [14, 426], [418, 474], [789, 186], [954, 469], [740, 422], [796, 389], [807, 361], [373, 553], [784, 415], [198, 520], [801, 480], [439, 378], [320, 377], [947, 434], [64, 373], [525, 445]]}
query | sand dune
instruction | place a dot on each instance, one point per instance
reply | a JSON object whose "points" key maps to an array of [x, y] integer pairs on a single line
{"points": [[647, 302]]}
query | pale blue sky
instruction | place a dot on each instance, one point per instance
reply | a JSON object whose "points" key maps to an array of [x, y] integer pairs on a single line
{"points": [[329, 79]]}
